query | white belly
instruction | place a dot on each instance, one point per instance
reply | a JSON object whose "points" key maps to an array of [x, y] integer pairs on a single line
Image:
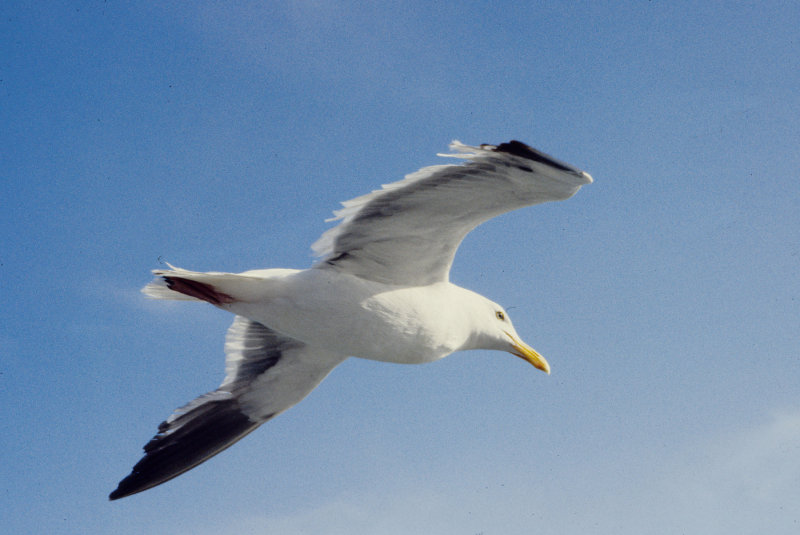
{"points": [[360, 318]]}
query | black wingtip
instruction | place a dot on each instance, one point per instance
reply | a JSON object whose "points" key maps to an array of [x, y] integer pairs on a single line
{"points": [[518, 148], [192, 438]]}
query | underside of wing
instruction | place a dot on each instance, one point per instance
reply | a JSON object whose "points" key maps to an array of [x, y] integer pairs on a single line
{"points": [[407, 232], [266, 373]]}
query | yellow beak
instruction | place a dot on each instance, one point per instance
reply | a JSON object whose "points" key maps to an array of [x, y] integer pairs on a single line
{"points": [[526, 352]]}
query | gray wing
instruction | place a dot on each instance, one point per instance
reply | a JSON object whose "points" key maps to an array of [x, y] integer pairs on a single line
{"points": [[408, 232], [266, 373]]}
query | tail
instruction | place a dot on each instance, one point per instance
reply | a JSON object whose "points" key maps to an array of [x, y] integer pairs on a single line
{"points": [[213, 287]]}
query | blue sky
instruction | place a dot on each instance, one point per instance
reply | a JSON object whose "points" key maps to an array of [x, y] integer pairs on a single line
{"points": [[665, 296]]}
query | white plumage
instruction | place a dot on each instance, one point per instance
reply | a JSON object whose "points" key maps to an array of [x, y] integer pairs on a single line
{"points": [[380, 291]]}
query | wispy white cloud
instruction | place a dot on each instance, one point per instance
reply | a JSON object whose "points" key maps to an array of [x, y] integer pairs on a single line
{"points": [[742, 481], [747, 480], [762, 465], [397, 512], [738, 482]]}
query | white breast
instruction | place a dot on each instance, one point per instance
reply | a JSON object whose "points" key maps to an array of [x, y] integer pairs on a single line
{"points": [[361, 318]]}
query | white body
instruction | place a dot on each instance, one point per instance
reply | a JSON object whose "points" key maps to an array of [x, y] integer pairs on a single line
{"points": [[380, 291], [374, 321]]}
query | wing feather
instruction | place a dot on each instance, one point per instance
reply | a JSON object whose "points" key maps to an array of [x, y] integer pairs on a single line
{"points": [[407, 233], [266, 373]]}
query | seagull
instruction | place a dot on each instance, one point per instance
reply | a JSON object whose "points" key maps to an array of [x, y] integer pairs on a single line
{"points": [[380, 291]]}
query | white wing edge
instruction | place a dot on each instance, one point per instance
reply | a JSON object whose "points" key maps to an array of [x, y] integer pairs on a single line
{"points": [[324, 245]]}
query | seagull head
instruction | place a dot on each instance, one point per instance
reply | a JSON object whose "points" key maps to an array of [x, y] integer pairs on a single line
{"points": [[495, 331]]}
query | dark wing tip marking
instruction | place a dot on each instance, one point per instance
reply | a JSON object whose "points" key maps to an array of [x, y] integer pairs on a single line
{"points": [[184, 443], [518, 148]]}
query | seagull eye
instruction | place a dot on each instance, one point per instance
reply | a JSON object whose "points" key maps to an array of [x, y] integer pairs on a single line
{"points": [[499, 315]]}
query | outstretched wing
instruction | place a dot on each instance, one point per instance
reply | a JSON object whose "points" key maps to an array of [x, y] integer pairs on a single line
{"points": [[266, 373], [407, 233]]}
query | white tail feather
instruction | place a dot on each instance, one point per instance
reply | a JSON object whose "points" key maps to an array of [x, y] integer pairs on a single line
{"points": [[157, 289], [226, 287]]}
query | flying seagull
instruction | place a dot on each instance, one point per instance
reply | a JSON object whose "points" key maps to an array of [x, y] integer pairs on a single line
{"points": [[380, 291]]}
